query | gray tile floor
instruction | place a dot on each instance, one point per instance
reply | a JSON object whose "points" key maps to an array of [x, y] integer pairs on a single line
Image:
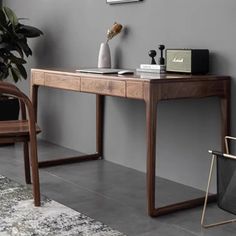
{"points": [[113, 194]]}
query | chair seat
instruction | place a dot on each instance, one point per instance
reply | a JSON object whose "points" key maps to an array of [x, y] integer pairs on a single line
{"points": [[15, 128]]}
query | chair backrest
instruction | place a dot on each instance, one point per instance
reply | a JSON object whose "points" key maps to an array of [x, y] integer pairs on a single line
{"points": [[226, 183]]}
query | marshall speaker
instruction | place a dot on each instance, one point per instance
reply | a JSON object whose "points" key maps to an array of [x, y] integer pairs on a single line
{"points": [[193, 61]]}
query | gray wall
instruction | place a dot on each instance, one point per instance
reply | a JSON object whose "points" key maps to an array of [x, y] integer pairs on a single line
{"points": [[73, 31]]}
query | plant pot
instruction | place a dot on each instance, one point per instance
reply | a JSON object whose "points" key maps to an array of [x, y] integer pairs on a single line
{"points": [[9, 108], [104, 57]]}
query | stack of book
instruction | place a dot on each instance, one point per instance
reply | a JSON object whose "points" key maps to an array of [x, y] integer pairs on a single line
{"points": [[151, 68]]}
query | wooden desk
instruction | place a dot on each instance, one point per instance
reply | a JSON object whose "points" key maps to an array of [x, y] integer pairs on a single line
{"points": [[163, 87]]}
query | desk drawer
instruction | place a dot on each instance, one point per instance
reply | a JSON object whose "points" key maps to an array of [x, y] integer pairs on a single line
{"points": [[38, 78], [62, 81], [134, 89], [103, 86]]}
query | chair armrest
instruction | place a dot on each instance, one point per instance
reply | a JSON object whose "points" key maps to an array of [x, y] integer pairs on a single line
{"points": [[217, 153], [221, 154], [10, 89]]}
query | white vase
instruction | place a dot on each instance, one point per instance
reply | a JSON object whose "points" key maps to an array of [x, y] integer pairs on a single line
{"points": [[104, 57]]}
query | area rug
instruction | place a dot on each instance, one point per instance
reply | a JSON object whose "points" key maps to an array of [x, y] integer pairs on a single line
{"points": [[19, 217]]}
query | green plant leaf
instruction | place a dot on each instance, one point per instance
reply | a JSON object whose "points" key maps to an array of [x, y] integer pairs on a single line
{"points": [[14, 44], [11, 16], [25, 47], [16, 48], [15, 74], [7, 48], [22, 70], [3, 21], [29, 31], [16, 60]]}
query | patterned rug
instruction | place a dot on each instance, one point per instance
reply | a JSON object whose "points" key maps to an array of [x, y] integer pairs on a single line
{"points": [[19, 217]]}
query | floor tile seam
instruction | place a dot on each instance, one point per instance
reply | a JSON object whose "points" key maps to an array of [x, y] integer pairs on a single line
{"points": [[87, 189], [78, 185]]}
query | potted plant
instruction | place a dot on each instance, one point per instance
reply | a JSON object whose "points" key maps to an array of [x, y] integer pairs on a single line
{"points": [[14, 49]]}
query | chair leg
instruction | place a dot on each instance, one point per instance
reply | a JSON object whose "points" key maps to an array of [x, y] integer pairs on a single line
{"points": [[27, 163], [35, 172], [206, 198]]}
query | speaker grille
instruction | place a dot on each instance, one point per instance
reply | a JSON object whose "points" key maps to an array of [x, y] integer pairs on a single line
{"points": [[178, 60]]}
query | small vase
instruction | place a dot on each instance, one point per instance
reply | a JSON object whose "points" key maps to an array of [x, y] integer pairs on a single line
{"points": [[104, 57]]}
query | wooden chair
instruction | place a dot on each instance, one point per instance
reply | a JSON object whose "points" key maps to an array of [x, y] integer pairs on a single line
{"points": [[226, 183], [25, 131]]}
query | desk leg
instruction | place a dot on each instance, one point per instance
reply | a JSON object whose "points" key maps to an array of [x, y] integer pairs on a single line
{"points": [[99, 124], [151, 116], [151, 126], [99, 134]]}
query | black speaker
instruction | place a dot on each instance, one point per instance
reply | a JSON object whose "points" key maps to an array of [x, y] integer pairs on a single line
{"points": [[193, 61]]}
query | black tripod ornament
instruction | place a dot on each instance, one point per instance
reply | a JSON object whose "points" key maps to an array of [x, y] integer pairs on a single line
{"points": [[153, 53], [161, 59]]}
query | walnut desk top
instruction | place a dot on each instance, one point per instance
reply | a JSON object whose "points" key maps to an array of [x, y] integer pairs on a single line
{"points": [[169, 86]]}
